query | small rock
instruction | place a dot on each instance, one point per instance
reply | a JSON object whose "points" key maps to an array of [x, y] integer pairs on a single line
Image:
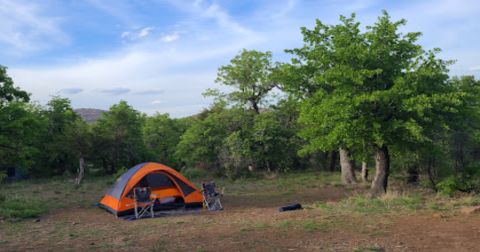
{"points": [[438, 216], [471, 210], [37, 220]]}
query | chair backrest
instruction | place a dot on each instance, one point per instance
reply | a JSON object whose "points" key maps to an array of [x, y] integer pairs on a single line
{"points": [[142, 193], [209, 187]]}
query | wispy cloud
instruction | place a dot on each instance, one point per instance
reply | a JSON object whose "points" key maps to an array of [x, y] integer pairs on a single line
{"points": [[133, 35], [170, 38], [144, 32], [475, 68], [290, 4], [70, 91], [158, 102], [114, 91], [26, 26], [212, 11]]}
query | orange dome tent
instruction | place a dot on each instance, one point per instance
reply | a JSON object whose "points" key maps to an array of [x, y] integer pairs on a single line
{"points": [[164, 181]]}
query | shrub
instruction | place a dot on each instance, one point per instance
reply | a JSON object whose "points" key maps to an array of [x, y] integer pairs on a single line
{"points": [[119, 173], [453, 184], [193, 173]]}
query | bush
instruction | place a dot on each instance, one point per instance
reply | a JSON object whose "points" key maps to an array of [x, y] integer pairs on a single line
{"points": [[452, 184], [118, 174], [193, 173]]}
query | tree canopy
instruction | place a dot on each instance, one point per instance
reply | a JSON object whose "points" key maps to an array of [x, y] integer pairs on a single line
{"points": [[376, 88]]}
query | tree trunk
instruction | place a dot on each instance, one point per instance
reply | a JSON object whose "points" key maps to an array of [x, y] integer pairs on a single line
{"points": [[413, 174], [333, 161], [255, 108], [382, 167], [81, 170], [325, 161], [364, 172], [105, 165], [431, 173], [348, 167]]}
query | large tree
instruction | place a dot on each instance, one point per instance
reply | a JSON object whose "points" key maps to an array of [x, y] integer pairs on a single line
{"points": [[375, 89], [118, 138], [250, 74], [161, 135], [55, 157], [18, 124]]}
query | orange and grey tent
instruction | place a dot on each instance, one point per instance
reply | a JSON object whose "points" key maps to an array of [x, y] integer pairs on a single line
{"points": [[164, 181]]}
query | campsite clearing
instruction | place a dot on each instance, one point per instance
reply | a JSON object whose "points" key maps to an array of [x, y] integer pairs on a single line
{"points": [[414, 221]]}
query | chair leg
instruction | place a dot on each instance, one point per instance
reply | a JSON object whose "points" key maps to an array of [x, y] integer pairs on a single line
{"points": [[152, 209], [206, 202], [136, 211]]}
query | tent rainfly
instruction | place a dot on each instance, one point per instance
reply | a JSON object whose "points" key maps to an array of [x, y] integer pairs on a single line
{"points": [[173, 188]]}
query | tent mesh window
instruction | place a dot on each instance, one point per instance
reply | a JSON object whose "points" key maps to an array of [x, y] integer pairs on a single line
{"points": [[159, 180], [186, 189]]}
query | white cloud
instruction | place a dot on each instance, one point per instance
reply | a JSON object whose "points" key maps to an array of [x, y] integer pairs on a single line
{"points": [[158, 102], [26, 26], [170, 38], [475, 68], [127, 73], [137, 34], [285, 9], [144, 32], [202, 9]]}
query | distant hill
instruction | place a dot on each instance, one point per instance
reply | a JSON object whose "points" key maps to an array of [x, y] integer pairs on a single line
{"points": [[90, 115]]}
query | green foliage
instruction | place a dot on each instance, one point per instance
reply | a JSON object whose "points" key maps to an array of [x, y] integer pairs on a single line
{"points": [[118, 138], [56, 156], [119, 173], [9, 93], [251, 75], [376, 87], [455, 183], [201, 143], [18, 124], [193, 173], [161, 135]]}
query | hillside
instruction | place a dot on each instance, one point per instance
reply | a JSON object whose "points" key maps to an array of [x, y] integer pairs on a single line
{"points": [[90, 115]]}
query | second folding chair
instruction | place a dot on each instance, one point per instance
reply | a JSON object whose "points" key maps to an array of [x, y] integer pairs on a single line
{"points": [[212, 196]]}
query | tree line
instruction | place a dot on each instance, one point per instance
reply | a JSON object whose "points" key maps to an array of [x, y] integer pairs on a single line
{"points": [[372, 97]]}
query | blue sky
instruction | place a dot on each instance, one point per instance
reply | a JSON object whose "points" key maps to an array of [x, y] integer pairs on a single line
{"points": [[160, 55]]}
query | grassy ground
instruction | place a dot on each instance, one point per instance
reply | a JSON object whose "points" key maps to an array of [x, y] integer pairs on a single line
{"points": [[59, 215]]}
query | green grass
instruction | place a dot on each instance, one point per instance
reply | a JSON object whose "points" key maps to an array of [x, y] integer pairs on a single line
{"points": [[388, 204], [29, 199]]}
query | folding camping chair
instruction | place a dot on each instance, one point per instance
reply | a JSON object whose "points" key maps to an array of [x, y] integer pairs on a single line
{"points": [[211, 197], [145, 200]]}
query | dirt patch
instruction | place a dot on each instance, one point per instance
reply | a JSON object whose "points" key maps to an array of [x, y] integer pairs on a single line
{"points": [[250, 222]]}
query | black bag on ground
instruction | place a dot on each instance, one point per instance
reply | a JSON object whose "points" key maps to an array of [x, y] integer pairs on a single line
{"points": [[289, 208]]}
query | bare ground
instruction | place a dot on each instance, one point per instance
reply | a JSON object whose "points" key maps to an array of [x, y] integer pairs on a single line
{"points": [[249, 222]]}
